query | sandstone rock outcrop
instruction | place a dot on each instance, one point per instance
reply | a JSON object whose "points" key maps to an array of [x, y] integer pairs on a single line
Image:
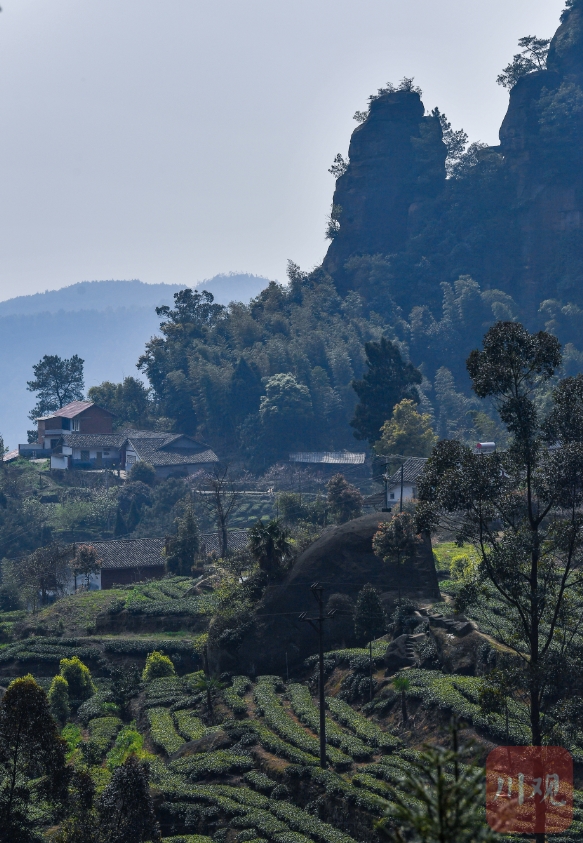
{"points": [[516, 225], [343, 561]]}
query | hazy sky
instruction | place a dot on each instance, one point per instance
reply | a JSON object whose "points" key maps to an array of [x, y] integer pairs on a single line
{"points": [[173, 140]]}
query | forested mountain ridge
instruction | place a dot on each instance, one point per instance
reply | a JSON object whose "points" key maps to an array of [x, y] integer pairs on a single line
{"points": [[431, 244]]}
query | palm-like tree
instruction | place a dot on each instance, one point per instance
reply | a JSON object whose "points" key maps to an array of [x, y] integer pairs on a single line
{"points": [[209, 686], [270, 546]]}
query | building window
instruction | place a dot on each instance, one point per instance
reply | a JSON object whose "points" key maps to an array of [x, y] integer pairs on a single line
{"points": [[75, 425], [392, 496], [84, 456]]}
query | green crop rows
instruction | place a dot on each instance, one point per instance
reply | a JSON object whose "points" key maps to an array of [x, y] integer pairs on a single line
{"points": [[304, 707], [275, 716], [162, 730], [363, 728]]}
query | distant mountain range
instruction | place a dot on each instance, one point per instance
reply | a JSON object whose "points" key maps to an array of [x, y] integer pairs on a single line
{"points": [[106, 322]]}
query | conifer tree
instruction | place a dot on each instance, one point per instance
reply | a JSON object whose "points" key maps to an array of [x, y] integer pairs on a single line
{"points": [[370, 621], [126, 810], [386, 382]]}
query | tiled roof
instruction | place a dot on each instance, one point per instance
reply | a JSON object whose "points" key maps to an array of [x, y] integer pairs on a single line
{"points": [[69, 411], [412, 469], [94, 440], [155, 451], [130, 553], [11, 455], [147, 553], [328, 457]]}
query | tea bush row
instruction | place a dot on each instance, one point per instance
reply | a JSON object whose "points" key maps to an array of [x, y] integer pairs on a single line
{"points": [[275, 716], [103, 731], [358, 723], [304, 707], [162, 730], [217, 763]]}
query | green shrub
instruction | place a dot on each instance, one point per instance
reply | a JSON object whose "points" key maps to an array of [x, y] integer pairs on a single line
{"points": [[232, 696], [162, 730], [73, 737], [59, 699], [157, 666], [99, 705], [128, 742], [259, 781], [78, 678]]}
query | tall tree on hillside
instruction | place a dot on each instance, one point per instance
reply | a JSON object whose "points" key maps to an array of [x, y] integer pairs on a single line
{"points": [[386, 382], [394, 542], [129, 400], [57, 381], [370, 621], [166, 359], [32, 759], [408, 432], [182, 549], [125, 808], [521, 509], [344, 499], [221, 498]]}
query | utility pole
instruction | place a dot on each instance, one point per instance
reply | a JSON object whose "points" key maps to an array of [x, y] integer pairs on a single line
{"points": [[318, 625]]}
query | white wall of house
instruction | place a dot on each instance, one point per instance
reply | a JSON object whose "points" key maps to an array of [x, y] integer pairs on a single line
{"points": [[409, 492]]}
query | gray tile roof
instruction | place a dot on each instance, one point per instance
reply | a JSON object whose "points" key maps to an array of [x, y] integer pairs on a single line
{"points": [[147, 553], [130, 553], [94, 440], [328, 457], [412, 469], [158, 450]]}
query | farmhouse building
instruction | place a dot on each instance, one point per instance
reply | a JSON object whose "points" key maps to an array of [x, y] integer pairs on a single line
{"points": [[125, 561], [80, 435]]}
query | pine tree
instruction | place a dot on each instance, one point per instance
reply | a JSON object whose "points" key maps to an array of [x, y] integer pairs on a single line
{"points": [[444, 800], [387, 381], [120, 528], [133, 518]]}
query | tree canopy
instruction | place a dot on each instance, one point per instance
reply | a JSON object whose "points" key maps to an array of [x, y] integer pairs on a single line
{"points": [[386, 382], [57, 382]]}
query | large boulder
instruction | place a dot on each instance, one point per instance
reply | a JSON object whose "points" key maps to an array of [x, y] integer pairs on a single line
{"points": [[342, 560]]}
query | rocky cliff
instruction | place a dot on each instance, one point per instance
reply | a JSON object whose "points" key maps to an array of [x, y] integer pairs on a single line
{"points": [[512, 218]]}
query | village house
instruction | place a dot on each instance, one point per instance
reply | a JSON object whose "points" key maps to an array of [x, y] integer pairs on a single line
{"points": [[125, 561], [80, 435]]}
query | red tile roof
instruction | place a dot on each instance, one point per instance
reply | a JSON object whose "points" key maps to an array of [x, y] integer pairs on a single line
{"points": [[69, 411]]}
